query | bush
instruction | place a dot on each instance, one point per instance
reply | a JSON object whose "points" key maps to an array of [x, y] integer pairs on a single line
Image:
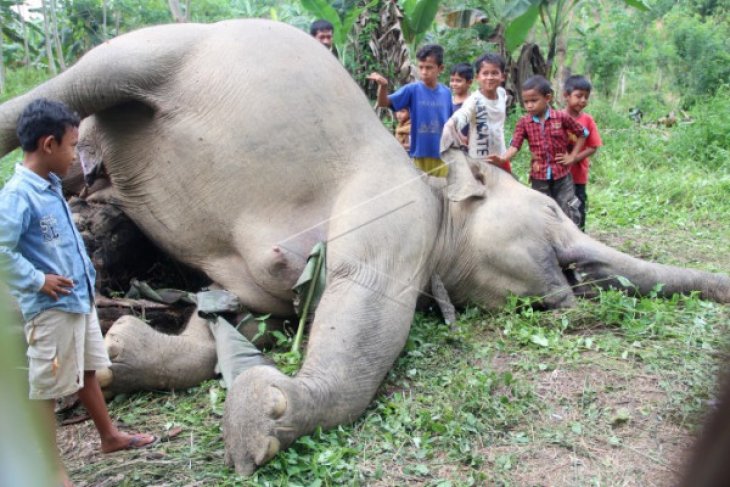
{"points": [[703, 61]]}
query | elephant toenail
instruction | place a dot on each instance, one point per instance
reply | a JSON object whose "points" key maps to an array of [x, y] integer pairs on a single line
{"points": [[105, 377], [272, 448], [114, 348], [279, 403]]}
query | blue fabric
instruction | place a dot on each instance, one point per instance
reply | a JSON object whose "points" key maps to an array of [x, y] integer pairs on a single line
{"points": [[430, 109], [38, 237]]}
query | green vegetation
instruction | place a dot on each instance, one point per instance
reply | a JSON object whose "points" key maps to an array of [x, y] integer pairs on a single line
{"points": [[608, 393]]}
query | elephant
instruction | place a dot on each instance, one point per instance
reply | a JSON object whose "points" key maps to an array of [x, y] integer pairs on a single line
{"points": [[238, 146]]}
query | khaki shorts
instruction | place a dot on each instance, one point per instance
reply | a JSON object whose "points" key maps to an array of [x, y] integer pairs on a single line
{"points": [[61, 346]]}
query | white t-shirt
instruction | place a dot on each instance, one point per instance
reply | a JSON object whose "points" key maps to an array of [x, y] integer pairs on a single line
{"points": [[486, 123]]}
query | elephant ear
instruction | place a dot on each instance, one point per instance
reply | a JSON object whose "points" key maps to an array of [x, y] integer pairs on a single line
{"points": [[465, 179]]}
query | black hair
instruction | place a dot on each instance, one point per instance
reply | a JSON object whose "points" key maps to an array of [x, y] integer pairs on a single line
{"points": [[577, 82], [490, 58], [43, 117], [434, 50], [464, 70], [319, 25], [539, 84]]}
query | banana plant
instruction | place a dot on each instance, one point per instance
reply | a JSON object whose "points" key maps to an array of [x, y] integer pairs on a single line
{"points": [[418, 17]]}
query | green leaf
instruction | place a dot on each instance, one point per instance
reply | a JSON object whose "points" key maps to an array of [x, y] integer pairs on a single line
{"points": [[423, 15], [539, 340], [518, 8], [517, 30], [323, 10], [624, 281], [409, 6], [637, 4]]}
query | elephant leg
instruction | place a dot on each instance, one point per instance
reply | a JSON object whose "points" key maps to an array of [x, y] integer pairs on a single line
{"points": [[356, 336], [145, 359]]}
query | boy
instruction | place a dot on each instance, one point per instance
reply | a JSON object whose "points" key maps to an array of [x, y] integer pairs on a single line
{"points": [[576, 92], [547, 133], [429, 103], [43, 258], [403, 130], [483, 113], [462, 75]]}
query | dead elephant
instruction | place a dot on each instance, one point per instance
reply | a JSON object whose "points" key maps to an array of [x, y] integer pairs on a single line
{"points": [[203, 128]]}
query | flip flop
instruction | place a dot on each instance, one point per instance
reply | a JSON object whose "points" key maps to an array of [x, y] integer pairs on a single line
{"points": [[139, 440]]}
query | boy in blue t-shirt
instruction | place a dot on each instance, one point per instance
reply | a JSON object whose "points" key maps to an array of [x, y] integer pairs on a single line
{"points": [[430, 105], [45, 265]]}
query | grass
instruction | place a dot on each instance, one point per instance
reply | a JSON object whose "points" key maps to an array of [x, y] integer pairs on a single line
{"points": [[608, 393]]}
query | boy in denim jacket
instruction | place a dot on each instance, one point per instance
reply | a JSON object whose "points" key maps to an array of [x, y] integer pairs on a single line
{"points": [[43, 259]]}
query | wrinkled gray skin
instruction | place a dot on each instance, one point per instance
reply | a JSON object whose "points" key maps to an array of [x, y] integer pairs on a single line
{"points": [[236, 147]]}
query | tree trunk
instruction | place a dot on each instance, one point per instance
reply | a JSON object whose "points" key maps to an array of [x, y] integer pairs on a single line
{"points": [[562, 70], [177, 14], [56, 36], [117, 21], [26, 48], [47, 34], [104, 9], [529, 62]]}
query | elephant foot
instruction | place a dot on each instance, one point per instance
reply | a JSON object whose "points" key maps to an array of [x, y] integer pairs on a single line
{"points": [[145, 359], [265, 412]]}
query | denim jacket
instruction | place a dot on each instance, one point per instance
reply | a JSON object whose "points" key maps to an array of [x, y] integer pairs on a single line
{"points": [[38, 237]]}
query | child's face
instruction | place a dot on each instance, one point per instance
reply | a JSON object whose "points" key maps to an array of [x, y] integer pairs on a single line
{"points": [[459, 86], [577, 100], [403, 115], [61, 155], [535, 102], [489, 78], [429, 71]]}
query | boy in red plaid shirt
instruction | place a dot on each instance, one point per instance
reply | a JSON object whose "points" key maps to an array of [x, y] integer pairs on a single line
{"points": [[547, 131]]}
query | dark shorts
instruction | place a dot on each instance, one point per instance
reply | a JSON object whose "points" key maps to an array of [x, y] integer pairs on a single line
{"points": [[563, 192]]}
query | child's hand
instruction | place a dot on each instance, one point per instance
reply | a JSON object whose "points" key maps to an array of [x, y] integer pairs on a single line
{"points": [[451, 135], [495, 159], [55, 285], [378, 78], [565, 159]]}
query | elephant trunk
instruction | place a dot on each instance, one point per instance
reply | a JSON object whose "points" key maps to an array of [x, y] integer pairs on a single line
{"points": [[605, 267]]}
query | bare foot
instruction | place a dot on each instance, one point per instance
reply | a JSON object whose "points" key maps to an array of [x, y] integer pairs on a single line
{"points": [[125, 441]]}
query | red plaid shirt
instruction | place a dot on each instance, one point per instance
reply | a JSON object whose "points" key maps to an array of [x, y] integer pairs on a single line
{"points": [[547, 139]]}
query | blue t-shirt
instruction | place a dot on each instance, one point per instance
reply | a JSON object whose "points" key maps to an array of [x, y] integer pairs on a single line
{"points": [[38, 237], [430, 109]]}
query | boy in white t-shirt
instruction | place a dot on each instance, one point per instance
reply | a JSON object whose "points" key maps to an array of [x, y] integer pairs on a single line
{"points": [[484, 112]]}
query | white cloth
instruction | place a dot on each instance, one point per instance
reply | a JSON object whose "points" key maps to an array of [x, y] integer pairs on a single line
{"points": [[485, 118]]}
